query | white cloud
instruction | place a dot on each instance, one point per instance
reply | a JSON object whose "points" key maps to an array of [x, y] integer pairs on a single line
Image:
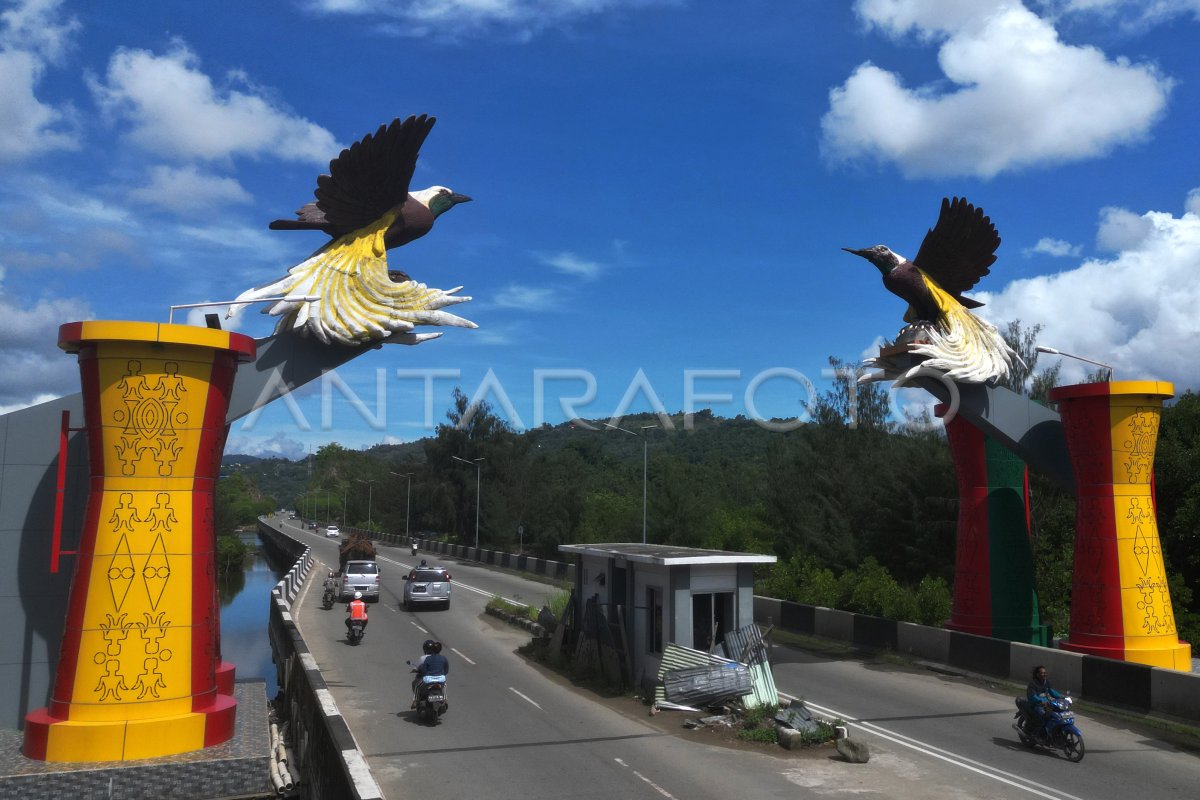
{"points": [[570, 264], [277, 446], [1129, 12], [37, 27], [526, 298], [1135, 311], [33, 367], [32, 34], [1054, 247], [187, 189], [176, 110], [1020, 96], [456, 18]]}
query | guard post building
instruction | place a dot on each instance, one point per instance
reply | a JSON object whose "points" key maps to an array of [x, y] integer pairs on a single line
{"points": [[663, 594]]}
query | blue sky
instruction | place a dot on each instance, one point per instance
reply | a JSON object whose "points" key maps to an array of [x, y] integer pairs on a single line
{"points": [[662, 187]]}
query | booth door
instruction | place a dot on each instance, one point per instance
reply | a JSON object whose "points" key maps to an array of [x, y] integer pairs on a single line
{"points": [[712, 618]]}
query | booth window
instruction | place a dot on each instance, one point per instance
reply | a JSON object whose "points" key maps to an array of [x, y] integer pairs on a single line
{"points": [[654, 625]]}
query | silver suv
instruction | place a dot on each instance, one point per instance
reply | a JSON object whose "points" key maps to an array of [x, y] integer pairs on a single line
{"points": [[359, 576], [426, 584]]}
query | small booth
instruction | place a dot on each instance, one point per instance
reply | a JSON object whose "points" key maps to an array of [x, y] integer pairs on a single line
{"points": [[660, 594]]}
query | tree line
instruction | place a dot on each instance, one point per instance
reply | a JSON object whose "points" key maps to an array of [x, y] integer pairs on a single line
{"points": [[845, 500]]}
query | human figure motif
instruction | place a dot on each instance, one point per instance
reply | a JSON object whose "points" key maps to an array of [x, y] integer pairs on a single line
{"points": [[162, 515], [153, 630], [149, 681], [114, 630], [111, 682], [125, 514]]}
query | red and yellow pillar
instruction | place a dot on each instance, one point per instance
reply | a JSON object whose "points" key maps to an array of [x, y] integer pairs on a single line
{"points": [[1120, 604], [139, 670]]}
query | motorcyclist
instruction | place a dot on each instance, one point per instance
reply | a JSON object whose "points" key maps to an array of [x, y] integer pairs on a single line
{"points": [[356, 610], [432, 663], [331, 582], [1039, 693]]}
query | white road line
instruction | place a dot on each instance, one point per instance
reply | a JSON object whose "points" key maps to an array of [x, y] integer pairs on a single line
{"points": [[459, 584], [525, 698], [651, 783], [1016, 781], [464, 658], [418, 627]]}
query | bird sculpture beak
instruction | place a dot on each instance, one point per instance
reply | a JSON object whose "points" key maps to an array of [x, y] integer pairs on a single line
{"points": [[459, 198], [862, 253]]}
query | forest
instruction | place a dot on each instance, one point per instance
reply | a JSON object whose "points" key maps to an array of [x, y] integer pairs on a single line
{"points": [[860, 511]]}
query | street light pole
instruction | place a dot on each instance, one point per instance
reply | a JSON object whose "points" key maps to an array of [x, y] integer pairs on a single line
{"points": [[478, 497], [345, 494], [1053, 352], [370, 496], [645, 464], [408, 501]]}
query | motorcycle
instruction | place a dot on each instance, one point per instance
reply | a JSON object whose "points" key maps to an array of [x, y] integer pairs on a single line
{"points": [[431, 697], [354, 631], [1059, 732], [414, 548], [327, 598]]}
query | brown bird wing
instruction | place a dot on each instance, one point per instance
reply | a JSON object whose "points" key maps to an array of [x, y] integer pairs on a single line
{"points": [[365, 180], [959, 249]]}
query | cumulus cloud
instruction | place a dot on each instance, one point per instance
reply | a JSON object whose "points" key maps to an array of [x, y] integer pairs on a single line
{"points": [[32, 34], [187, 189], [174, 109], [1135, 311], [571, 264], [1054, 247], [1018, 96], [1129, 13], [278, 446], [34, 369], [522, 19], [526, 298]]}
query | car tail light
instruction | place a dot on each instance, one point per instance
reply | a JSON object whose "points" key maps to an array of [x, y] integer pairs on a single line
{"points": [[446, 576]]}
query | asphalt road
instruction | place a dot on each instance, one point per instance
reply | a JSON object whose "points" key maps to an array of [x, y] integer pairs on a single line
{"points": [[513, 733]]}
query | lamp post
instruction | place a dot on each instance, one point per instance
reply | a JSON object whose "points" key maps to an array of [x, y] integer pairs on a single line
{"points": [[645, 464], [1053, 352], [345, 494], [478, 468], [408, 499], [370, 496]]}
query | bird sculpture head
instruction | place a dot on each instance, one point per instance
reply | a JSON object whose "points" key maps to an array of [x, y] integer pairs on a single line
{"points": [[439, 199], [955, 254], [345, 291], [881, 256]]}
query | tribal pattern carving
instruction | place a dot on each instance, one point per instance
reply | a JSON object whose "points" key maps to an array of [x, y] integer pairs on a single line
{"points": [[149, 418]]}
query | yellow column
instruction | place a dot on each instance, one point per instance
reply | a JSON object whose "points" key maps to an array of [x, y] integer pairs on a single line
{"points": [[139, 672], [1120, 604]]}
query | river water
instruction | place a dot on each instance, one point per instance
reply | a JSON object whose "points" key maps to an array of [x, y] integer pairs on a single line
{"points": [[245, 610]]}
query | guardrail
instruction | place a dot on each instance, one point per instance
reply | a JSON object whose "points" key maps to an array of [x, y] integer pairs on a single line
{"points": [[330, 762], [1122, 684]]}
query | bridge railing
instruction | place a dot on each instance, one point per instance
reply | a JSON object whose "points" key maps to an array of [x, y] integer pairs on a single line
{"points": [[331, 764], [1124, 684]]}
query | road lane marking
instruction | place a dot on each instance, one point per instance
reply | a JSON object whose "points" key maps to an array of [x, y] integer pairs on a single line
{"points": [[464, 658], [459, 584], [651, 783], [525, 698], [986, 770], [418, 627]]}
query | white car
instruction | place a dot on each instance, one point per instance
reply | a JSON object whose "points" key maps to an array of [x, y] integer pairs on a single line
{"points": [[333, 531]]}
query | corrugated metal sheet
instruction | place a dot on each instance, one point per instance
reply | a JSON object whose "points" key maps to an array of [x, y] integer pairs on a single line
{"points": [[761, 680], [708, 685], [746, 645]]}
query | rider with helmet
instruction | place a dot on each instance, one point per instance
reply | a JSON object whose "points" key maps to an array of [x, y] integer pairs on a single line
{"points": [[356, 610], [1039, 693], [431, 663]]}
